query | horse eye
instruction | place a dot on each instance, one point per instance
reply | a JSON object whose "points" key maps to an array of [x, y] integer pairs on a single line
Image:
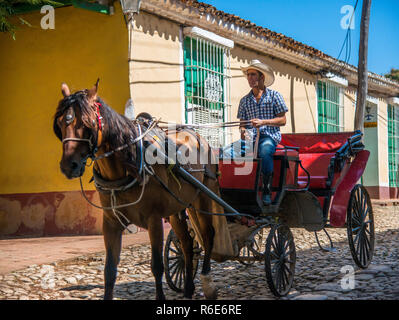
{"points": [[69, 116]]}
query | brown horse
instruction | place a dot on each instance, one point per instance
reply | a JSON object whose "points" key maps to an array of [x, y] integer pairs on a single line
{"points": [[87, 128]]}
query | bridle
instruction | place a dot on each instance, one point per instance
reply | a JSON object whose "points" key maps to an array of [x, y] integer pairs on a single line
{"points": [[93, 146]]}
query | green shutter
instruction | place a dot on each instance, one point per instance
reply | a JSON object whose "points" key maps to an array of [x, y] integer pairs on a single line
{"points": [[329, 107], [205, 75], [393, 145]]}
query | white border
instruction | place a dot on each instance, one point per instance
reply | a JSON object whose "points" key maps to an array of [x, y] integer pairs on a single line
{"points": [[336, 79], [372, 100], [195, 31], [394, 100]]}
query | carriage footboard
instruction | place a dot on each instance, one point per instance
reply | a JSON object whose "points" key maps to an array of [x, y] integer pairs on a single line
{"points": [[301, 209]]}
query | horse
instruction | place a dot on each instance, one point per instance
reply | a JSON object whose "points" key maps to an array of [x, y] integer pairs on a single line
{"points": [[89, 128]]}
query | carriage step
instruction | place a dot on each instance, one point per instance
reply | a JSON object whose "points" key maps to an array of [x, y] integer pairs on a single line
{"points": [[330, 249]]}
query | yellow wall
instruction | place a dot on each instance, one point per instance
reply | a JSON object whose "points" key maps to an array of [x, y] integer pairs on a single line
{"points": [[85, 45]]}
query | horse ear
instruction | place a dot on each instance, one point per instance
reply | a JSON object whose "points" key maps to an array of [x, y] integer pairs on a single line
{"points": [[93, 91], [65, 90]]}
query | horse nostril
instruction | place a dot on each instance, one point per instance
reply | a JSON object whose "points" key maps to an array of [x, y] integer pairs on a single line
{"points": [[74, 165]]}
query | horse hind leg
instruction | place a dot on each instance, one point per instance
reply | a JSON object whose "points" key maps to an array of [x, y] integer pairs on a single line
{"points": [[155, 231], [207, 234], [181, 230]]}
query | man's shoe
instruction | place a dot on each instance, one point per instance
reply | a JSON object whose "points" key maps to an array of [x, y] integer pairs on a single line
{"points": [[266, 199]]}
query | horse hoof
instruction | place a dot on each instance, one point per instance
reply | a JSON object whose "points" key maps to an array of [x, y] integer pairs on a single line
{"points": [[161, 297], [208, 287]]}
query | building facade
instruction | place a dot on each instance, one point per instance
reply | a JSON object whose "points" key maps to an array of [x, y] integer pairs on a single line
{"points": [[178, 60]]}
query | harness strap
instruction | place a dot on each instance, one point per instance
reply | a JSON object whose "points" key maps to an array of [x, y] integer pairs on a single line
{"points": [[79, 140]]}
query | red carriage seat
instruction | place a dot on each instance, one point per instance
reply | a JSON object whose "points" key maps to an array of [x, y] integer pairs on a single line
{"points": [[315, 153]]}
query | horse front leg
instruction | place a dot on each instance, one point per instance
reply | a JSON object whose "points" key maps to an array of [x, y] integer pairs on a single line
{"points": [[113, 240], [155, 231], [181, 229]]}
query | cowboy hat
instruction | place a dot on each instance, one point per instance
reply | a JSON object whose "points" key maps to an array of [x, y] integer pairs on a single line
{"points": [[263, 68]]}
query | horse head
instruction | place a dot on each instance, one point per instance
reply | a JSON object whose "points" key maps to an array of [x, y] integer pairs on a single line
{"points": [[77, 123]]}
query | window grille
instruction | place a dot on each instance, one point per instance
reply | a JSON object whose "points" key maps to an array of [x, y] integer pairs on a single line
{"points": [[330, 107], [393, 145], [207, 87]]}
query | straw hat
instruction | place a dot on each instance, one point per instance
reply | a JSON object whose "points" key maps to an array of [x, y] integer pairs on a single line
{"points": [[261, 67]]}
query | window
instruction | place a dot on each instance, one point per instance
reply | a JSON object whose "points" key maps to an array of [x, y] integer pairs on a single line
{"points": [[330, 107], [207, 84], [393, 145]]}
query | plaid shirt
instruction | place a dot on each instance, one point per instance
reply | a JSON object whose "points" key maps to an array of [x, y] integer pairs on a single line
{"points": [[270, 104]]}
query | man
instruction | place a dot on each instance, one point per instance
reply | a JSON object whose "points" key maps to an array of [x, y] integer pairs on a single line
{"points": [[266, 109]]}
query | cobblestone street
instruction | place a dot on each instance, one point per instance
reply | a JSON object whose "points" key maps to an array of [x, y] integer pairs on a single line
{"points": [[318, 274]]}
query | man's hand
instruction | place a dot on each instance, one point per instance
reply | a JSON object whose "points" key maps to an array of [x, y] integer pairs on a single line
{"points": [[242, 132], [258, 123], [278, 121]]}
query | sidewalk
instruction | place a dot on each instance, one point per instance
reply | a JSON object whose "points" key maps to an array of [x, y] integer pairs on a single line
{"points": [[17, 254]]}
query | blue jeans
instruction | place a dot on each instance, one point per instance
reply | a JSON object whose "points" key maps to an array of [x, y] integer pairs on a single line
{"points": [[266, 150]]}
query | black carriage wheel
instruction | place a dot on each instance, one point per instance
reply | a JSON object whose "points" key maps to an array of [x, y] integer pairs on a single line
{"points": [[245, 252], [360, 226], [259, 242], [280, 258], [173, 259]]}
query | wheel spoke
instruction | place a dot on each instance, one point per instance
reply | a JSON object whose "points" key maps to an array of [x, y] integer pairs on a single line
{"points": [[276, 264], [274, 254], [173, 250], [364, 215], [356, 221], [274, 247], [367, 243], [173, 257], [282, 281], [275, 242], [356, 238], [356, 210], [361, 247], [277, 276], [175, 270], [287, 244], [365, 252], [181, 275], [288, 269], [176, 278], [285, 276], [364, 203], [176, 263]]}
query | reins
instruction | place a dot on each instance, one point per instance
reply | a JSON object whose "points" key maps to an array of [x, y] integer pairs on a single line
{"points": [[142, 170]]}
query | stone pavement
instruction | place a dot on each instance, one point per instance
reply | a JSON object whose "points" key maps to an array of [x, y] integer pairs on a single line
{"points": [[318, 274]]}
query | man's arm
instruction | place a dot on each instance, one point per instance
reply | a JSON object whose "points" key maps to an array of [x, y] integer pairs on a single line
{"points": [[279, 121]]}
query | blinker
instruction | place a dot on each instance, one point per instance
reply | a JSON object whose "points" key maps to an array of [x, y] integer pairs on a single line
{"points": [[70, 116]]}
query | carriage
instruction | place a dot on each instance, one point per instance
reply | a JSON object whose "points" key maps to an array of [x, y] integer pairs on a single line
{"points": [[314, 186]]}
